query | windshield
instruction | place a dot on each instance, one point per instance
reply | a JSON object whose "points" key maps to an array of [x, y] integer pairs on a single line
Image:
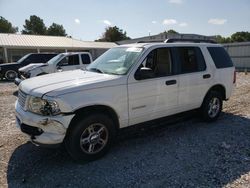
{"points": [[116, 60], [55, 59], [23, 58]]}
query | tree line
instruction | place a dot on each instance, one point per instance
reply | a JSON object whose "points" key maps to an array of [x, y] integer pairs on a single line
{"points": [[35, 26]]}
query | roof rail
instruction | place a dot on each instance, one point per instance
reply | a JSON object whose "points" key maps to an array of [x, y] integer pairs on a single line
{"points": [[151, 41], [172, 40]]}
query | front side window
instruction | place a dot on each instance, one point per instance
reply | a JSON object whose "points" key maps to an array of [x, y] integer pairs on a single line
{"points": [[55, 59], [158, 63], [191, 59], [69, 61], [116, 60]]}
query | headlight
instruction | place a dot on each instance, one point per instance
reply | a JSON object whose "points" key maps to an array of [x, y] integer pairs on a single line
{"points": [[43, 107]]}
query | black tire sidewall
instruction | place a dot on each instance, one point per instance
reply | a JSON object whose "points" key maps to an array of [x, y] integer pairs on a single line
{"points": [[72, 140], [205, 106]]}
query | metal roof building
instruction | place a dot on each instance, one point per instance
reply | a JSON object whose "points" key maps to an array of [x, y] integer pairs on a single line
{"points": [[14, 46], [240, 54]]}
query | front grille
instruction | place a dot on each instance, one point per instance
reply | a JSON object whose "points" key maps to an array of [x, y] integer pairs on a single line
{"points": [[33, 131], [22, 98]]}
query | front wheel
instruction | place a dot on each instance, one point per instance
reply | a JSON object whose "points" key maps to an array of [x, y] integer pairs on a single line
{"points": [[10, 75], [90, 138], [212, 106]]}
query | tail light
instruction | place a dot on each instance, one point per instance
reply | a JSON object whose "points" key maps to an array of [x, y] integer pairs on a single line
{"points": [[234, 77]]}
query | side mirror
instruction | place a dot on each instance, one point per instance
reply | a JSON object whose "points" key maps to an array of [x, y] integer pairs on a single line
{"points": [[59, 68], [144, 73]]}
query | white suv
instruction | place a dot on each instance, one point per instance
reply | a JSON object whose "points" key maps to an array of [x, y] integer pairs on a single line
{"points": [[61, 62], [127, 85]]}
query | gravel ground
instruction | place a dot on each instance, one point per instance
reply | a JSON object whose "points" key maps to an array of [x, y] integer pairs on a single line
{"points": [[186, 153]]}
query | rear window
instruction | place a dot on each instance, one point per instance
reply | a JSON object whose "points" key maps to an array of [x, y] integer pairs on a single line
{"points": [[220, 57]]}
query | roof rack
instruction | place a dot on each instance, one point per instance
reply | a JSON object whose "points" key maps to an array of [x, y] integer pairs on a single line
{"points": [[172, 40], [151, 41]]}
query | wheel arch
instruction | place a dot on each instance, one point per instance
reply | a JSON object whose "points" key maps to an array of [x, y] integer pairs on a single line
{"points": [[218, 87], [103, 109]]}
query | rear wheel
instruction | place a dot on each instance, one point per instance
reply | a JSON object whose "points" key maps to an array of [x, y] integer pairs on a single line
{"points": [[90, 138], [11, 75], [212, 106]]}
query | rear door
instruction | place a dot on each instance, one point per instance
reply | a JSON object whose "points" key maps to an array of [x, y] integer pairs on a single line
{"points": [[156, 93], [194, 77]]}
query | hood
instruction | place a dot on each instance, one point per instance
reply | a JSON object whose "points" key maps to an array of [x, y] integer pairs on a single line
{"points": [[8, 64], [31, 66], [68, 81]]}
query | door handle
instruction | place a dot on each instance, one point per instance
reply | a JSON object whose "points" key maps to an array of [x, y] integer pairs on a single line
{"points": [[170, 82], [206, 76]]}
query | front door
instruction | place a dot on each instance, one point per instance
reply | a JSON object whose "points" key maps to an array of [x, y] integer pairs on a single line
{"points": [[70, 62], [153, 89]]}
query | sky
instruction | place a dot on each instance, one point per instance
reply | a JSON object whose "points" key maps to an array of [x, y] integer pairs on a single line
{"points": [[87, 19]]}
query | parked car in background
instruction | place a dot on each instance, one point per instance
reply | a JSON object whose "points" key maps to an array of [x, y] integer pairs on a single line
{"points": [[9, 71], [61, 62], [125, 86]]}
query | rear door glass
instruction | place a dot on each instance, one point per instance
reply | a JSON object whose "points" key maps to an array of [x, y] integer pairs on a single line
{"points": [[191, 60]]}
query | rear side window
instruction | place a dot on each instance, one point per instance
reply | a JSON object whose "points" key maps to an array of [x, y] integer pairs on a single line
{"points": [[220, 57], [85, 59], [191, 59]]}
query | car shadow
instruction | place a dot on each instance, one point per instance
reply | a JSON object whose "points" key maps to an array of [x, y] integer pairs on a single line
{"points": [[185, 153]]}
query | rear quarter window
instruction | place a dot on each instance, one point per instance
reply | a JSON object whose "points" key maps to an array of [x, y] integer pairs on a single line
{"points": [[220, 57]]}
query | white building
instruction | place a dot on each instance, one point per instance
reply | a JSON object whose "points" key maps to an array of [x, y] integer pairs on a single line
{"points": [[14, 46]]}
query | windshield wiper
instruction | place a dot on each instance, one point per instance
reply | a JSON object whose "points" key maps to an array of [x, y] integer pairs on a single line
{"points": [[96, 70]]}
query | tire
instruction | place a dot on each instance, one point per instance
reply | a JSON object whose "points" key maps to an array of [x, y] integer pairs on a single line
{"points": [[10, 75], [212, 106], [90, 138]]}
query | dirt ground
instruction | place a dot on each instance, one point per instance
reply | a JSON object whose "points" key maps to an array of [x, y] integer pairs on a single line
{"points": [[186, 153]]}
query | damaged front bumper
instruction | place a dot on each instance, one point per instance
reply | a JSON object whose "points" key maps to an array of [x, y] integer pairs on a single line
{"points": [[43, 130]]}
